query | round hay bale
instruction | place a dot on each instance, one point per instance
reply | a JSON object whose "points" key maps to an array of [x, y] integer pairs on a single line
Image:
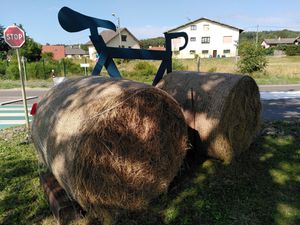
{"points": [[110, 143], [222, 110]]}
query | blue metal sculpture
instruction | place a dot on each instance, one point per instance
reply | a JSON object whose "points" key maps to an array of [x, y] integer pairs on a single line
{"points": [[73, 21]]}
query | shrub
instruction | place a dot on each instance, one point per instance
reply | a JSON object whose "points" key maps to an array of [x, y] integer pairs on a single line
{"points": [[253, 58], [2, 68], [177, 65], [292, 50], [212, 70], [142, 72], [36, 70], [12, 71], [269, 51], [71, 67], [145, 69]]}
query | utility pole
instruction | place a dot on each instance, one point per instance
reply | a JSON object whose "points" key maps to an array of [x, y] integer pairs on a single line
{"points": [[119, 27]]}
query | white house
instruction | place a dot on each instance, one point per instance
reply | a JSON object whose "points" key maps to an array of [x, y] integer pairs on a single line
{"points": [[122, 38], [207, 38]]}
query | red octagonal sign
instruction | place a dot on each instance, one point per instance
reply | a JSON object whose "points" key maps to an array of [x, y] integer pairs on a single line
{"points": [[14, 36]]}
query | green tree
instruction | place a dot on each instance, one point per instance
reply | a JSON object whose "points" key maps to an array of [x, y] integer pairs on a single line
{"points": [[253, 58], [292, 50], [31, 50], [3, 46], [159, 41], [47, 56], [251, 35]]}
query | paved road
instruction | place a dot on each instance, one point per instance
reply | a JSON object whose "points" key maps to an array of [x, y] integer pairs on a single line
{"points": [[287, 87], [272, 109], [13, 94]]}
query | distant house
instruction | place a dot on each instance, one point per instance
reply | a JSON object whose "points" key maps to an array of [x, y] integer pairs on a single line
{"points": [[158, 48], [58, 51], [267, 43], [122, 38], [207, 38], [75, 52]]}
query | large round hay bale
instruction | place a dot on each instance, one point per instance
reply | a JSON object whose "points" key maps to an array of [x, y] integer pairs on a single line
{"points": [[111, 143], [222, 110]]}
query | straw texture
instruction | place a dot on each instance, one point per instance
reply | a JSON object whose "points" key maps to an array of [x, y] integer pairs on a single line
{"points": [[112, 144], [222, 110]]}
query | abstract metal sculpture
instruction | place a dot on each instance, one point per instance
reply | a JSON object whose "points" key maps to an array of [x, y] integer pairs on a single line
{"points": [[73, 21]]}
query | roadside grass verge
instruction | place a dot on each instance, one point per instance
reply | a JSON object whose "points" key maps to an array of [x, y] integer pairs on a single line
{"points": [[261, 187], [280, 70], [9, 84]]}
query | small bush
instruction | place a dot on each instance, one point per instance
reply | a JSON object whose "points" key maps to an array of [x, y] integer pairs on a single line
{"points": [[292, 50], [212, 70], [12, 71], [36, 70], [177, 65], [145, 69], [269, 51], [71, 67], [3, 65], [253, 58], [142, 72]]}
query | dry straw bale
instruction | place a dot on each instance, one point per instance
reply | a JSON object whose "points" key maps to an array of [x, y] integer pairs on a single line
{"points": [[222, 110], [111, 143]]}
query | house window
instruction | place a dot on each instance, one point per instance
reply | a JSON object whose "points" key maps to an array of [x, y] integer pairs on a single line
{"points": [[226, 51], [124, 37], [204, 52], [227, 39], [205, 27], [192, 52], [205, 40], [193, 39], [193, 27]]}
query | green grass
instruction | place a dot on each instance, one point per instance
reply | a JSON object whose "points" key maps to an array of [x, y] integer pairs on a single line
{"points": [[8, 84], [21, 198], [280, 70], [261, 187], [5, 84]]}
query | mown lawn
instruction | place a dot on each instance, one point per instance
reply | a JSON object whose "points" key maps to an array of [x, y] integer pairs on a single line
{"points": [[261, 187]]}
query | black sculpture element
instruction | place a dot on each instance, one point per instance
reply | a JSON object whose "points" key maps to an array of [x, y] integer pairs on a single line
{"points": [[73, 21]]}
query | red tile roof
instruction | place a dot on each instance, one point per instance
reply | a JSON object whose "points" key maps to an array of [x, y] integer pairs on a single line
{"points": [[158, 48], [58, 51]]}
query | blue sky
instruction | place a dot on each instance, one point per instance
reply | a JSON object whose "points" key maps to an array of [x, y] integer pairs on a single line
{"points": [[148, 18]]}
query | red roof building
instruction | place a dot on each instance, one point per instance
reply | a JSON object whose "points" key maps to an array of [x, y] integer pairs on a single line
{"points": [[58, 51], [158, 48]]}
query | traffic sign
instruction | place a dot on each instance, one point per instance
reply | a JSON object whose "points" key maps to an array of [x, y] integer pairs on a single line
{"points": [[14, 36]]}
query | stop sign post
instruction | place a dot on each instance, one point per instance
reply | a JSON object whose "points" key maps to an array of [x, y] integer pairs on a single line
{"points": [[14, 36]]}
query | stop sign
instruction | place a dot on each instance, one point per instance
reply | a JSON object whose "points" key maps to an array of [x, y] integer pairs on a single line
{"points": [[14, 36]]}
